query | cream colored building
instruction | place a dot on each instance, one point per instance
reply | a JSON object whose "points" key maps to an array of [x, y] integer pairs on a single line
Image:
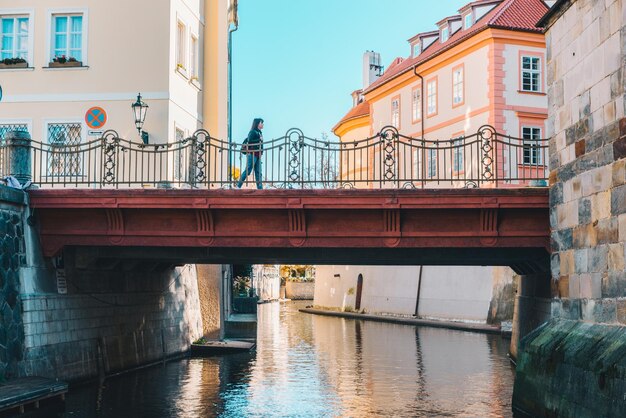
{"points": [[172, 51]]}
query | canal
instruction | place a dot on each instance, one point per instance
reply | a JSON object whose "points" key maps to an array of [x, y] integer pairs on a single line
{"points": [[318, 366]]}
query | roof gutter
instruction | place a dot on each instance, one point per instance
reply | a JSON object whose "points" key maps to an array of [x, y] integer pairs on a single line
{"points": [[557, 9]]}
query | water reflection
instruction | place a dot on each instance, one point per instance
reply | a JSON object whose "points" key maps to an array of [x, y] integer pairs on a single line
{"points": [[314, 366]]}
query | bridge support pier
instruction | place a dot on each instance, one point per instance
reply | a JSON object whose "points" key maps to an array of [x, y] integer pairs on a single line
{"points": [[532, 307]]}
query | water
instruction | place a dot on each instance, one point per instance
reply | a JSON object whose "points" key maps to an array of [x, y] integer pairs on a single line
{"points": [[315, 366]]}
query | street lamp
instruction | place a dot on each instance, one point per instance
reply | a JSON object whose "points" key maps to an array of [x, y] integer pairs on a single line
{"points": [[140, 108]]}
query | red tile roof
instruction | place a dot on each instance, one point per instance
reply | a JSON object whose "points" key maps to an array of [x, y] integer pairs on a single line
{"points": [[362, 109], [516, 15]]}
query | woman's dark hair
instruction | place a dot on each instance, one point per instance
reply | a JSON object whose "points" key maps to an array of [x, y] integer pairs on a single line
{"points": [[255, 123]]}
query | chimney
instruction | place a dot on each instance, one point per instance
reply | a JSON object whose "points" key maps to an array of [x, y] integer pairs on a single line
{"points": [[371, 68]]}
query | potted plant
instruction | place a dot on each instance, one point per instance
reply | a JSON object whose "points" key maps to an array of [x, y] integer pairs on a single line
{"points": [[13, 63], [63, 61]]}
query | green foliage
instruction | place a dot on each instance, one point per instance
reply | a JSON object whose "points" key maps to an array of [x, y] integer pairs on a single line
{"points": [[201, 340]]}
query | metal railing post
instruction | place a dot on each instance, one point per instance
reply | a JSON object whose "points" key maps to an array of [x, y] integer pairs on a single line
{"points": [[20, 163]]}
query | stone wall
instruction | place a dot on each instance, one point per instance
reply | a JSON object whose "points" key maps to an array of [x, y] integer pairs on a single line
{"points": [[209, 293], [115, 314], [586, 75], [111, 319], [572, 369], [12, 257], [299, 290]]}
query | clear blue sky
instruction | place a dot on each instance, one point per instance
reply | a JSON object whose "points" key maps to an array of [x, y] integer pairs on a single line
{"points": [[295, 63]]}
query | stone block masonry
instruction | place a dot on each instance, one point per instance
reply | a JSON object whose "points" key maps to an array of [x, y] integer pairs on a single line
{"points": [[587, 59], [572, 369], [115, 315], [12, 257], [110, 321], [81, 336]]}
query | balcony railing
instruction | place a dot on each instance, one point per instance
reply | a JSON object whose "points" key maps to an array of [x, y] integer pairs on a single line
{"points": [[294, 161]]}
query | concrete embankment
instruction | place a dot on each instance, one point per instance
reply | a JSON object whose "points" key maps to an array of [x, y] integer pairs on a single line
{"points": [[461, 326], [572, 369]]}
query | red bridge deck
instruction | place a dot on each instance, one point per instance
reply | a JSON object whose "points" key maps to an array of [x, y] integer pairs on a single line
{"points": [[431, 226]]}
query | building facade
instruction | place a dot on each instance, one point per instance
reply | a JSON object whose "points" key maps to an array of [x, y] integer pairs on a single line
{"points": [[482, 66], [588, 164], [62, 58]]}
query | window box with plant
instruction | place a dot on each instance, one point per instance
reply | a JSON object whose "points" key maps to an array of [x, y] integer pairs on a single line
{"points": [[13, 63], [63, 62]]}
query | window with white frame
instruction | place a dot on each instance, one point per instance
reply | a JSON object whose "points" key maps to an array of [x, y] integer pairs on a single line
{"points": [[445, 34], [431, 89], [416, 164], [531, 149], [63, 157], [14, 37], [67, 37], [417, 49], [432, 163], [193, 59], [181, 50], [468, 21], [457, 85], [416, 103], [531, 73], [457, 156], [395, 112]]}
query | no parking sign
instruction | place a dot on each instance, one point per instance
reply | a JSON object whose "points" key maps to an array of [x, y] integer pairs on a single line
{"points": [[96, 117]]}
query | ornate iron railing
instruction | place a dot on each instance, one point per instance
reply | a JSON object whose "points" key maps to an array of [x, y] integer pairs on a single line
{"points": [[386, 160]]}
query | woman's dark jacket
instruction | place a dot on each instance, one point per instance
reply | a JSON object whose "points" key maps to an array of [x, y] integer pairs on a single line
{"points": [[253, 143]]}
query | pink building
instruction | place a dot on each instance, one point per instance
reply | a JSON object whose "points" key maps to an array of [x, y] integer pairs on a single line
{"points": [[483, 66]]}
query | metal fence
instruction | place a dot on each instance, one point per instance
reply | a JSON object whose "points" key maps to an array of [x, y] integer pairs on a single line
{"points": [[293, 161]]}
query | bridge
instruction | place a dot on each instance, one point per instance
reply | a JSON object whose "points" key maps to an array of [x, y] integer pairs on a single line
{"points": [[385, 200], [393, 227]]}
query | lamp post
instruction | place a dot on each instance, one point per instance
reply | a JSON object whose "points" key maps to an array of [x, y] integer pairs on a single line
{"points": [[140, 108]]}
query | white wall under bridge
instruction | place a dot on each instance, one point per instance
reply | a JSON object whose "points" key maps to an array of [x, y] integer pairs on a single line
{"points": [[466, 293]]}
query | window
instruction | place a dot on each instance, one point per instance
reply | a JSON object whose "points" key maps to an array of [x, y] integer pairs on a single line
{"points": [[14, 37], [67, 36], [193, 59], [458, 148], [180, 46], [432, 163], [63, 157], [395, 112], [431, 88], [417, 49], [531, 73], [445, 34], [531, 150], [416, 103], [468, 21], [457, 86]]}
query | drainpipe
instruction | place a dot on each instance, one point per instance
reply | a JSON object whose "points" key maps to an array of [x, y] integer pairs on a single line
{"points": [[419, 290], [421, 98], [419, 284], [231, 29]]}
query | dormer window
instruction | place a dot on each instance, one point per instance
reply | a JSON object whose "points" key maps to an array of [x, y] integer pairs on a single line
{"points": [[468, 21], [445, 34], [417, 49]]}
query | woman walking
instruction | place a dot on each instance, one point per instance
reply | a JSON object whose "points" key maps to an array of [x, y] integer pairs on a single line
{"points": [[253, 148]]}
